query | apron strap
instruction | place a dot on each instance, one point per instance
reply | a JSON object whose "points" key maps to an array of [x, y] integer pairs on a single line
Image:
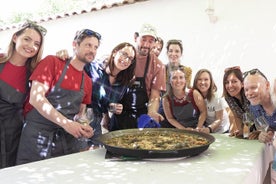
{"points": [[3, 146], [64, 72], [147, 67]]}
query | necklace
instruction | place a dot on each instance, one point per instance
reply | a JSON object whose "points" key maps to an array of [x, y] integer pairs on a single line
{"points": [[179, 100]]}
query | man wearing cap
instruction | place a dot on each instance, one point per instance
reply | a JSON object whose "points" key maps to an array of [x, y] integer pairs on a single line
{"points": [[143, 97]]}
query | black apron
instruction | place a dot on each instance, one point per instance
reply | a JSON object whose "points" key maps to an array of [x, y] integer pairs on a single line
{"points": [[41, 138], [134, 102], [11, 121]]}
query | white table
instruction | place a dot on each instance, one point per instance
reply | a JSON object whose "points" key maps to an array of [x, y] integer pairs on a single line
{"points": [[227, 160]]}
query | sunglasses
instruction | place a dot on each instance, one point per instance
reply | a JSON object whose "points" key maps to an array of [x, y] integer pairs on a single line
{"points": [[174, 41], [232, 68], [32, 24], [87, 32], [253, 72]]}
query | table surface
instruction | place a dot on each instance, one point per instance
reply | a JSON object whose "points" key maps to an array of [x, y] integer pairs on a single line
{"points": [[227, 160]]}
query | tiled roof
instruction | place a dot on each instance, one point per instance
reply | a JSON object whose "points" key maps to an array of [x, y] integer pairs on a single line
{"points": [[99, 5]]}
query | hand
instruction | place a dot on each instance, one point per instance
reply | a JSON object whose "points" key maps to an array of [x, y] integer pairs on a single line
{"points": [[266, 137], [254, 135], [62, 54], [87, 131], [78, 130], [156, 116], [204, 130], [117, 108], [237, 133]]}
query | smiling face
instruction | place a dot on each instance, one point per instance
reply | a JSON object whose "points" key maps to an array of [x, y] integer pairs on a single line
{"points": [[233, 85], [203, 83], [177, 80], [256, 89], [174, 54], [86, 50], [145, 44], [28, 43], [123, 58], [157, 48]]}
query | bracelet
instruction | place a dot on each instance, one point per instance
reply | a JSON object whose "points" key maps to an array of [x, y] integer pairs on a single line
{"points": [[210, 129]]}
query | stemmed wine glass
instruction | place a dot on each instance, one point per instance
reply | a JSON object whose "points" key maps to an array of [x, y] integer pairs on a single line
{"points": [[261, 124], [247, 120], [85, 119]]}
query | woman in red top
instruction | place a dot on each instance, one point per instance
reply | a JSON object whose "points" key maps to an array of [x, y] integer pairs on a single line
{"points": [[24, 52]]}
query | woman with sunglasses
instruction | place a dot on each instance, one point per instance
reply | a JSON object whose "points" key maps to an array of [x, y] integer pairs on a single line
{"points": [[217, 120], [183, 110], [233, 93], [23, 54]]}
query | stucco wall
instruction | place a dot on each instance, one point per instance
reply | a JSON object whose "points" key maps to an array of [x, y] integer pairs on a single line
{"points": [[245, 33]]}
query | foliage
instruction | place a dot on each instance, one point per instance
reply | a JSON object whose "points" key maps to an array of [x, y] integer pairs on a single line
{"points": [[47, 8]]}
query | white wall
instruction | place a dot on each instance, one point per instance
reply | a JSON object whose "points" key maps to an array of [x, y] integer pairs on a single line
{"points": [[245, 33]]}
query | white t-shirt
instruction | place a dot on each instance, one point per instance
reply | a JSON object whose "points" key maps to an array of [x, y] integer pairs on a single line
{"points": [[217, 104]]}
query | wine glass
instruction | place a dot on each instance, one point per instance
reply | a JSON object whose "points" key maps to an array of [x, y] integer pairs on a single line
{"points": [[247, 120], [84, 119], [112, 107], [261, 124]]}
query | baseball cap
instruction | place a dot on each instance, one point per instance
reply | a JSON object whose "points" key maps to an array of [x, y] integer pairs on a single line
{"points": [[147, 30]]}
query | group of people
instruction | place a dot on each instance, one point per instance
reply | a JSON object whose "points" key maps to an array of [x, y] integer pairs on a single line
{"points": [[39, 98]]}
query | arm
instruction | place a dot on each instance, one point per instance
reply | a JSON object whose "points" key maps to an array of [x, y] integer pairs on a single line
{"points": [[153, 105], [235, 124], [43, 106], [199, 101], [188, 76], [218, 121], [168, 113], [62, 54]]}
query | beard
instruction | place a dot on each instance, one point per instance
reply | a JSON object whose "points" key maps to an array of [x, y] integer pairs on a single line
{"points": [[86, 59], [144, 51]]}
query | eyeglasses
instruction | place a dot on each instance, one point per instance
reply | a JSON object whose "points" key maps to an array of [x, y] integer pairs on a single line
{"points": [[253, 72], [88, 32], [124, 56], [32, 24], [232, 68]]}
